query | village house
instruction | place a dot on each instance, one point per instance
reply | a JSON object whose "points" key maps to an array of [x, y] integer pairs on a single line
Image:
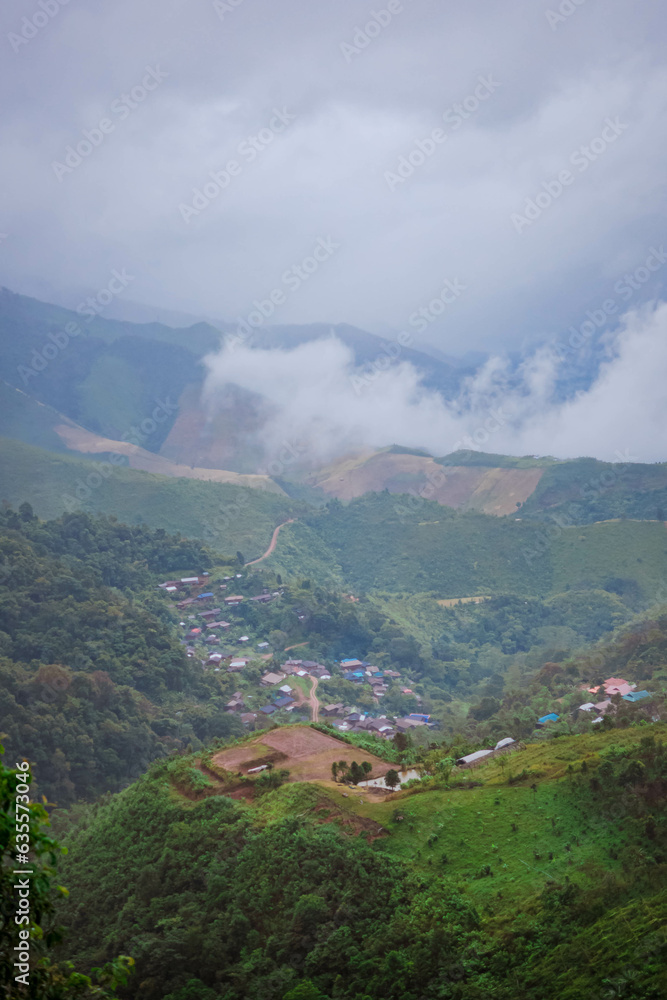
{"points": [[209, 614], [381, 725], [236, 704], [405, 725], [247, 718], [234, 600], [546, 719], [317, 671], [634, 696], [612, 686], [283, 702], [268, 680], [332, 709]]}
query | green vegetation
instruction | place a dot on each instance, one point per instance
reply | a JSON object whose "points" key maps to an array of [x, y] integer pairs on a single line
{"points": [[384, 542], [107, 376], [227, 517], [600, 554], [487, 460], [29, 928], [470, 894], [586, 490], [92, 679]]}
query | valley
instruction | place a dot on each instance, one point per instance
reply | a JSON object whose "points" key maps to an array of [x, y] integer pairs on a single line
{"points": [[357, 718]]}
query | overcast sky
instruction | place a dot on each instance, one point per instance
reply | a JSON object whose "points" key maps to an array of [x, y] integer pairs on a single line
{"points": [[335, 110]]}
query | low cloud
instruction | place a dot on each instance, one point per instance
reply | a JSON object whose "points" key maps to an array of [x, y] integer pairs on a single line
{"points": [[323, 406]]}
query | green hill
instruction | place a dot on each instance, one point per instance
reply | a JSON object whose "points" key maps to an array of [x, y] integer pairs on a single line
{"points": [[104, 374], [586, 490], [23, 418], [544, 877], [229, 518], [390, 543]]}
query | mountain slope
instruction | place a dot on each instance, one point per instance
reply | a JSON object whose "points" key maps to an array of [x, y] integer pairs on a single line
{"points": [[427, 894], [228, 517], [495, 490]]}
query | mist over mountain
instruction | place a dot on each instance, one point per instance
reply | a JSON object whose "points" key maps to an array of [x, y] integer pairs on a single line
{"points": [[326, 404]]}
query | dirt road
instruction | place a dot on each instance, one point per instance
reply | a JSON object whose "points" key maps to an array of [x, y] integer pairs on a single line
{"points": [[274, 539], [314, 703], [311, 700]]}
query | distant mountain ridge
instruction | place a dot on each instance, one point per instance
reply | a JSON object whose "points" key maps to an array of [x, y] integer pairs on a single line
{"points": [[107, 375]]}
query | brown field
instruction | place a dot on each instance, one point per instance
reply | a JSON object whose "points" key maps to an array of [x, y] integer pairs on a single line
{"points": [[81, 440], [489, 490], [306, 753]]}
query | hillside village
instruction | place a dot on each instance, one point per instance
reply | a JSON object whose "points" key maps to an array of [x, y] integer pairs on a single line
{"points": [[275, 687]]}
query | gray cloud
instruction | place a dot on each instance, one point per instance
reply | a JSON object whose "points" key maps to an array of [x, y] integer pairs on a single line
{"points": [[322, 406], [356, 115]]}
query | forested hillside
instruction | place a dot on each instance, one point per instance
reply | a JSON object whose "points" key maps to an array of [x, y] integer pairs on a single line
{"points": [[89, 662], [467, 892]]}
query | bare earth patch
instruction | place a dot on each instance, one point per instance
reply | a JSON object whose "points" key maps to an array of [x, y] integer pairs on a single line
{"points": [[490, 490], [308, 754]]}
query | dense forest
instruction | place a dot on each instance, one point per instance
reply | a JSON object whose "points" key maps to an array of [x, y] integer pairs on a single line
{"points": [[89, 663]]}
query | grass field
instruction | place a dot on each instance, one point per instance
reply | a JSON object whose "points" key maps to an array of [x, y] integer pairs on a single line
{"points": [[472, 827]]}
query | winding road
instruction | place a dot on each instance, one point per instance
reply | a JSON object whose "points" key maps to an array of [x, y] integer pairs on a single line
{"points": [[314, 703], [274, 539]]}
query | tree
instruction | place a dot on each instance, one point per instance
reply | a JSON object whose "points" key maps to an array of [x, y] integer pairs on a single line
{"points": [[343, 768], [240, 558], [356, 773], [304, 991], [366, 766], [392, 779], [19, 819], [401, 741], [278, 639], [334, 771], [26, 512]]}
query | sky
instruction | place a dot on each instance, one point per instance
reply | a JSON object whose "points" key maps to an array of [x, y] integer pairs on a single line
{"points": [[209, 149]]}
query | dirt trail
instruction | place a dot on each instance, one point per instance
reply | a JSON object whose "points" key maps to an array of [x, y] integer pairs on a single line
{"points": [[314, 703], [274, 539], [311, 700]]}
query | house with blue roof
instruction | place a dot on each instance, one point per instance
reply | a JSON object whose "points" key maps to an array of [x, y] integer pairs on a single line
{"points": [[636, 696], [283, 702], [551, 717]]}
